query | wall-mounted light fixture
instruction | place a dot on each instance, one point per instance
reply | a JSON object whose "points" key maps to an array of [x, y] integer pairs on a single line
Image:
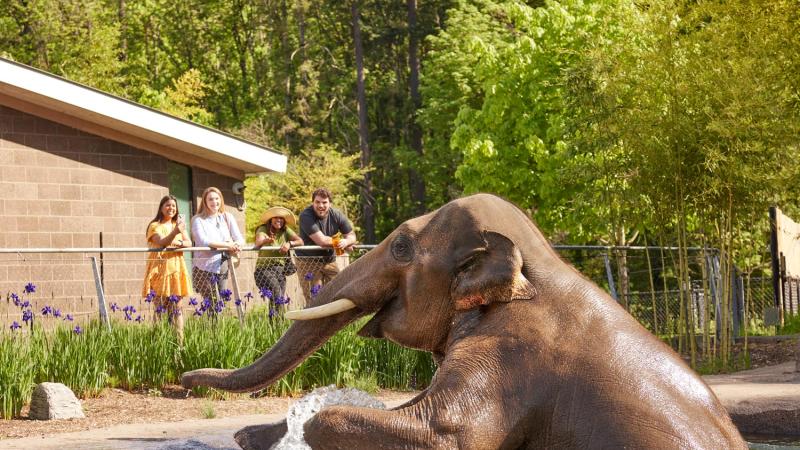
{"points": [[238, 195]]}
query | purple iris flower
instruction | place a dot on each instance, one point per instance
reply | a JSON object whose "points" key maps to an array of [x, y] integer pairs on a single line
{"points": [[272, 313], [30, 288], [77, 329], [226, 294], [281, 300], [46, 310], [219, 306], [214, 279], [174, 298], [160, 309], [315, 289], [68, 317], [15, 326], [238, 302], [139, 319], [150, 296], [27, 315], [25, 304], [198, 312], [15, 297], [266, 293], [56, 313], [248, 296], [192, 301], [308, 276]]}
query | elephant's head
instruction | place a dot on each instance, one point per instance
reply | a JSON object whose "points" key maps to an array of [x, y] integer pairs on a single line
{"points": [[473, 252]]}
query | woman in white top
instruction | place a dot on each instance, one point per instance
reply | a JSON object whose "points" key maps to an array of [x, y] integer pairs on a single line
{"points": [[213, 227]]}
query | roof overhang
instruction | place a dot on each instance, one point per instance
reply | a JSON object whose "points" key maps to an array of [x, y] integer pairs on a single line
{"points": [[59, 100]]}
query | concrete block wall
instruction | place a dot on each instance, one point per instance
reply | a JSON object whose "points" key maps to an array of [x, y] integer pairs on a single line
{"points": [[62, 188]]}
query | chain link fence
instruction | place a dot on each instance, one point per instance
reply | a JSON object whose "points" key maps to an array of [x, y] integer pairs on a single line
{"points": [[646, 281], [67, 285]]}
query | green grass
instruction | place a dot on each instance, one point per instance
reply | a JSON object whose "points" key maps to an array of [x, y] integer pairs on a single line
{"points": [[208, 410], [791, 325], [148, 356]]}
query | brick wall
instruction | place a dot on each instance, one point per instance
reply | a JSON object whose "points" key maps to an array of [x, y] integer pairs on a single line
{"points": [[61, 187]]}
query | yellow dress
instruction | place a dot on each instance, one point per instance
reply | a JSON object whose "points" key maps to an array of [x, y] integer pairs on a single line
{"points": [[166, 272]]}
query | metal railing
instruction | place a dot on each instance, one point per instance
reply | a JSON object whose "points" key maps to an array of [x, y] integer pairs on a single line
{"points": [[82, 283]]}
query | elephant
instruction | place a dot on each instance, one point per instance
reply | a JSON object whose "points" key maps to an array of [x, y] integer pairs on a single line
{"points": [[529, 352]]}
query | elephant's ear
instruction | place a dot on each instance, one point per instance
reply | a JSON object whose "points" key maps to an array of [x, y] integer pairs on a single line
{"points": [[492, 273]]}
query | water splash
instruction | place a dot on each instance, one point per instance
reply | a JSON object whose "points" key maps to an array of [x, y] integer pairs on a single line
{"points": [[305, 408]]}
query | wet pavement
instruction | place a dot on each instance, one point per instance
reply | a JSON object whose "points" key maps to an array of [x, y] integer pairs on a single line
{"points": [[201, 434]]}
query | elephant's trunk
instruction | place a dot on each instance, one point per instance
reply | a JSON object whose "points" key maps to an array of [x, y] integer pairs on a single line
{"points": [[299, 341]]}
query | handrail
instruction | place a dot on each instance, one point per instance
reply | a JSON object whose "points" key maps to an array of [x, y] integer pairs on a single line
{"points": [[250, 248]]}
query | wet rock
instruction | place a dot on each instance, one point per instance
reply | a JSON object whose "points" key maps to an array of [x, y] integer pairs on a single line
{"points": [[54, 401]]}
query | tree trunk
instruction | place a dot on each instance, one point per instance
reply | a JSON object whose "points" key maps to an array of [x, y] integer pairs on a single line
{"points": [[123, 42], [416, 184], [368, 215]]}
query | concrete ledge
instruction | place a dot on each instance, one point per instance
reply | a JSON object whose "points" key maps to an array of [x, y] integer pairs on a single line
{"points": [[764, 401]]}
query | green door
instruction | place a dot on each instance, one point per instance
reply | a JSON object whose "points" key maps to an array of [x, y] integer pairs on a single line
{"points": [[180, 185]]}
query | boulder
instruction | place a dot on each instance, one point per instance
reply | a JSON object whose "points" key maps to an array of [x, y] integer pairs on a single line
{"points": [[54, 401]]}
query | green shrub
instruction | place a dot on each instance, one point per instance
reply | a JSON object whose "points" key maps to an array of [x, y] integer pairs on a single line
{"points": [[148, 356]]}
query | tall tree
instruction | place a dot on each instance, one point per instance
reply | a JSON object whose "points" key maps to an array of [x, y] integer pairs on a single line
{"points": [[367, 212], [416, 181]]}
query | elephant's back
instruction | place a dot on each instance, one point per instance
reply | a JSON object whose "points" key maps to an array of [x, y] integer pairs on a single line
{"points": [[608, 379]]}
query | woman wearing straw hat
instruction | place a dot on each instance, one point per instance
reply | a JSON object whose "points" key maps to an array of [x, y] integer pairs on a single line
{"points": [[272, 265]]}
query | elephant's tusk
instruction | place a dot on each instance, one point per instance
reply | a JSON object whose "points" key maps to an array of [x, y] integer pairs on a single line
{"points": [[321, 311]]}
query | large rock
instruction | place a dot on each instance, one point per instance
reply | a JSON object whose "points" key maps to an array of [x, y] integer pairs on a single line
{"points": [[54, 401]]}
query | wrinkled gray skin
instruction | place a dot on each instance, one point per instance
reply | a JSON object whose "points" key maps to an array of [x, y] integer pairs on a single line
{"points": [[531, 354]]}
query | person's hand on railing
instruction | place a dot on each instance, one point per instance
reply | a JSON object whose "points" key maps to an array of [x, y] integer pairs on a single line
{"points": [[233, 248]]}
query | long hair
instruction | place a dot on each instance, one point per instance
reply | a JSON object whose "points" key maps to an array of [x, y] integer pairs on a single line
{"points": [[160, 216], [202, 210]]}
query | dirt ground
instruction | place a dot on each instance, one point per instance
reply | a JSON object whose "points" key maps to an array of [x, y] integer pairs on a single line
{"points": [[118, 407]]}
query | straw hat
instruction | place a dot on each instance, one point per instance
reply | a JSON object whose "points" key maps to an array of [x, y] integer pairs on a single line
{"points": [[278, 211]]}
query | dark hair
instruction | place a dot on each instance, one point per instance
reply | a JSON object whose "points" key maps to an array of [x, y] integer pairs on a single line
{"points": [[322, 192], [159, 215], [269, 223]]}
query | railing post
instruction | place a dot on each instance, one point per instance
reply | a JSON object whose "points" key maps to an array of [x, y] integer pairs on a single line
{"points": [[235, 284], [101, 298], [610, 276]]}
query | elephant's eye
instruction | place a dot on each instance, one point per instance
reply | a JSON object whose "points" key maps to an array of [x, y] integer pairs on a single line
{"points": [[403, 248]]}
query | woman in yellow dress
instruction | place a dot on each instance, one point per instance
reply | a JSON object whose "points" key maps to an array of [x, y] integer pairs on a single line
{"points": [[166, 280]]}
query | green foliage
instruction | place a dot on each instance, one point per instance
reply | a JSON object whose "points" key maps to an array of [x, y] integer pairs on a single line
{"points": [[20, 357], [208, 410], [319, 167], [147, 356], [184, 99], [791, 325], [77, 40]]}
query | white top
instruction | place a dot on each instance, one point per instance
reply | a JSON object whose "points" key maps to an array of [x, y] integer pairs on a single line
{"points": [[213, 229]]}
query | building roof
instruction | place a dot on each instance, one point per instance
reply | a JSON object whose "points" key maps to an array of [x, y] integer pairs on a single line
{"points": [[54, 98]]}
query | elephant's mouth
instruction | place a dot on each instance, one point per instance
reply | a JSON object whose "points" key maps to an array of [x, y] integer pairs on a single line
{"points": [[373, 328]]}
